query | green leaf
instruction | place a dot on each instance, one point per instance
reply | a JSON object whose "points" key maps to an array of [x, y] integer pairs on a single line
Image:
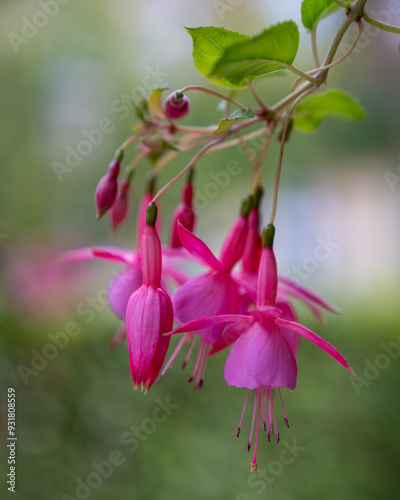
{"points": [[241, 114], [314, 10], [209, 44], [154, 102], [225, 124], [259, 55], [312, 110]]}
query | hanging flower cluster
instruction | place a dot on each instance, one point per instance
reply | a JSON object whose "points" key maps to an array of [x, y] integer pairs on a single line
{"points": [[239, 304]]}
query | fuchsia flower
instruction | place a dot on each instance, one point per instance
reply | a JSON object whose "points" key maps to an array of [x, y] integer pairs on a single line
{"points": [[184, 214], [149, 313], [130, 279], [262, 357], [211, 293]]}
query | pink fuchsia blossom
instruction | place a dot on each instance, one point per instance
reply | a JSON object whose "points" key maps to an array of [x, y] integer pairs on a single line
{"points": [[262, 358], [213, 292], [149, 312]]}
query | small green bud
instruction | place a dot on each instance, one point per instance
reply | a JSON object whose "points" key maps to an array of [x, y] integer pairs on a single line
{"points": [[257, 195], [268, 235], [151, 214], [119, 154], [247, 206]]}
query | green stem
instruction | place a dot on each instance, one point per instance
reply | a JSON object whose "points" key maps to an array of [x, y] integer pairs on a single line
{"points": [[214, 93], [314, 46], [205, 150], [354, 13], [281, 151], [255, 94], [381, 25], [345, 5]]}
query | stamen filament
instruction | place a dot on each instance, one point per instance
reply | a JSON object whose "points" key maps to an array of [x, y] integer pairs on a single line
{"points": [[187, 357], [196, 366], [171, 359], [244, 409], [252, 421], [273, 414], [258, 393], [286, 420]]}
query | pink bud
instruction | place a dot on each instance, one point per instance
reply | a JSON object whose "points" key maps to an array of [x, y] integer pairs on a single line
{"points": [[267, 286], [149, 312], [107, 188], [184, 213], [234, 244], [252, 251], [176, 105], [119, 210]]}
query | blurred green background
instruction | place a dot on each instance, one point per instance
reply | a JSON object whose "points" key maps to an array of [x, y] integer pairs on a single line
{"points": [[81, 66]]}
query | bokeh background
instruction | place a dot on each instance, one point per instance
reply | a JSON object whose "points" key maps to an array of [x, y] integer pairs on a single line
{"points": [[83, 65]]}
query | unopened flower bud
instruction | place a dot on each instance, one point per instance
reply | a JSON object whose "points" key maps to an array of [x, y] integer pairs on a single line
{"points": [[268, 272], [119, 210], [176, 105], [184, 214], [107, 188], [235, 242]]}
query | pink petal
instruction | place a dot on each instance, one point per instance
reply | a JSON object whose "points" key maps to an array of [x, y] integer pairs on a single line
{"points": [[77, 255], [202, 323], [248, 281], [315, 339], [116, 254], [260, 358], [291, 337], [199, 249], [229, 336], [303, 293], [233, 247], [122, 287], [235, 372], [208, 294], [269, 358], [149, 314]]}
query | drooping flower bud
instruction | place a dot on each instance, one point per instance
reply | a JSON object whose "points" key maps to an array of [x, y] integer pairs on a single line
{"points": [[149, 312], [234, 244], [107, 187], [184, 213], [268, 272], [176, 105], [119, 210], [252, 251]]}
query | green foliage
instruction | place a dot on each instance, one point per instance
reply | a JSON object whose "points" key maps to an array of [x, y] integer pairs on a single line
{"points": [[314, 10], [209, 44], [270, 51], [313, 109], [225, 124], [154, 102]]}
